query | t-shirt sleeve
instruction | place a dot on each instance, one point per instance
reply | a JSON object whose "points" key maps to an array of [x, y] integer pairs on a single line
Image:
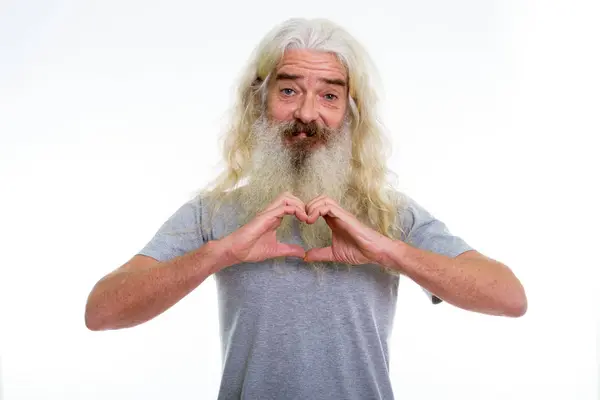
{"points": [[424, 231], [178, 235]]}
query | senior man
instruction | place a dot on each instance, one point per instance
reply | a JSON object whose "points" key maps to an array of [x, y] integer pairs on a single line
{"points": [[304, 234]]}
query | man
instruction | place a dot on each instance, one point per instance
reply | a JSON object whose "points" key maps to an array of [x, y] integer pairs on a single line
{"points": [[305, 238]]}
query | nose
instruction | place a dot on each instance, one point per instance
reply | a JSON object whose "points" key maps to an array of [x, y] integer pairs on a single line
{"points": [[307, 110]]}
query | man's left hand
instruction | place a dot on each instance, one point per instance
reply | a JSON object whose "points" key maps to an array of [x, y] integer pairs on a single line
{"points": [[352, 241]]}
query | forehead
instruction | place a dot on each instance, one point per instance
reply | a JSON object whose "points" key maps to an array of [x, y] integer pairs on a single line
{"points": [[311, 62]]}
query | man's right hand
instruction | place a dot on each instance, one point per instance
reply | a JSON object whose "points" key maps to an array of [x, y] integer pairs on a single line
{"points": [[257, 240]]}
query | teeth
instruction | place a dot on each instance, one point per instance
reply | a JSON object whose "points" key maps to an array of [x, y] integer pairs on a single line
{"points": [[307, 134]]}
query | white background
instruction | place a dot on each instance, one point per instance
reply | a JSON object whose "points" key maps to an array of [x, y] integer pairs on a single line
{"points": [[110, 114]]}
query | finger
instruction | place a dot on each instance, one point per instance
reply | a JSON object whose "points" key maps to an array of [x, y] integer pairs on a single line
{"points": [[323, 209], [288, 202], [322, 254], [281, 199], [289, 250], [289, 196], [320, 202], [284, 210], [287, 199], [268, 221], [316, 199]]}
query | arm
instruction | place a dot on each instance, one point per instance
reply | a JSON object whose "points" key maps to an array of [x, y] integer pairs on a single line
{"points": [[462, 277], [143, 288], [470, 281]]}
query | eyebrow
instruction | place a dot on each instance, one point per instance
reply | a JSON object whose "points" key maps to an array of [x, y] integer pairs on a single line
{"points": [[283, 76]]}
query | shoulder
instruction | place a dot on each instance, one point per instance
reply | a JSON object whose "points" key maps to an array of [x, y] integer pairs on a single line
{"points": [[408, 210], [424, 230], [416, 221]]}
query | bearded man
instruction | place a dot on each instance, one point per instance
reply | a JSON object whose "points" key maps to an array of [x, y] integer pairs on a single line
{"points": [[304, 234]]}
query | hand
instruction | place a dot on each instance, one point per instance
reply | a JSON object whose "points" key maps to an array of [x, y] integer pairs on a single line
{"points": [[257, 240], [352, 241]]}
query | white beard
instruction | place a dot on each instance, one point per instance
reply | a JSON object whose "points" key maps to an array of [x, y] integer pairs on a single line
{"points": [[322, 171]]}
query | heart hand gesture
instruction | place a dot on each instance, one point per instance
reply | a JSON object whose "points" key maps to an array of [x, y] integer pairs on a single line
{"points": [[257, 240], [352, 241]]}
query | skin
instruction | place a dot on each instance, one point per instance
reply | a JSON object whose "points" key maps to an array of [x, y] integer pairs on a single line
{"points": [[312, 88], [471, 280], [144, 288]]}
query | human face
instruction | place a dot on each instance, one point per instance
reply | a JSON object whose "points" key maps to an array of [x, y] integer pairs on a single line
{"points": [[308, 87]]}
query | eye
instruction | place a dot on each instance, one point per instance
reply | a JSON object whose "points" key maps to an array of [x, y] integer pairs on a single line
{"points": [[330, 97], [287, 91]]}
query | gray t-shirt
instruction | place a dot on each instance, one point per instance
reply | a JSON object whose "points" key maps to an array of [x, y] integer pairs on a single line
{"points": [[296, 334]]}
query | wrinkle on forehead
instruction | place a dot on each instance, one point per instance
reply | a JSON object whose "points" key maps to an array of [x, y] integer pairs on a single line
{"points": [[312, 61]]}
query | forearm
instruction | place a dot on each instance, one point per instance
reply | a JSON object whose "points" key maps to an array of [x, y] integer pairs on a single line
{"points": [[130, 297], [472, 283]]}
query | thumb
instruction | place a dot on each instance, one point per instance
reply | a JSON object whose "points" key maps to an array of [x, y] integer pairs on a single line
{"points": [[322, 254], [289, 250]]}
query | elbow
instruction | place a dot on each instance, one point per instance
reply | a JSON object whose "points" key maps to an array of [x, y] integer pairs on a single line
{"points": [[516, 310], [98, 311], [97, 315], [92, 324], [91, 316], [93, 319], [516, 303]]}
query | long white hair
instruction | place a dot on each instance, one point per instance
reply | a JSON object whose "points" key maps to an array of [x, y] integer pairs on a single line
{"points": [[371, 195]]}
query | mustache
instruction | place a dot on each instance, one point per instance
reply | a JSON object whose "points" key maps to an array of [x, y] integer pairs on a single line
{"points": [[312, 130]]}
